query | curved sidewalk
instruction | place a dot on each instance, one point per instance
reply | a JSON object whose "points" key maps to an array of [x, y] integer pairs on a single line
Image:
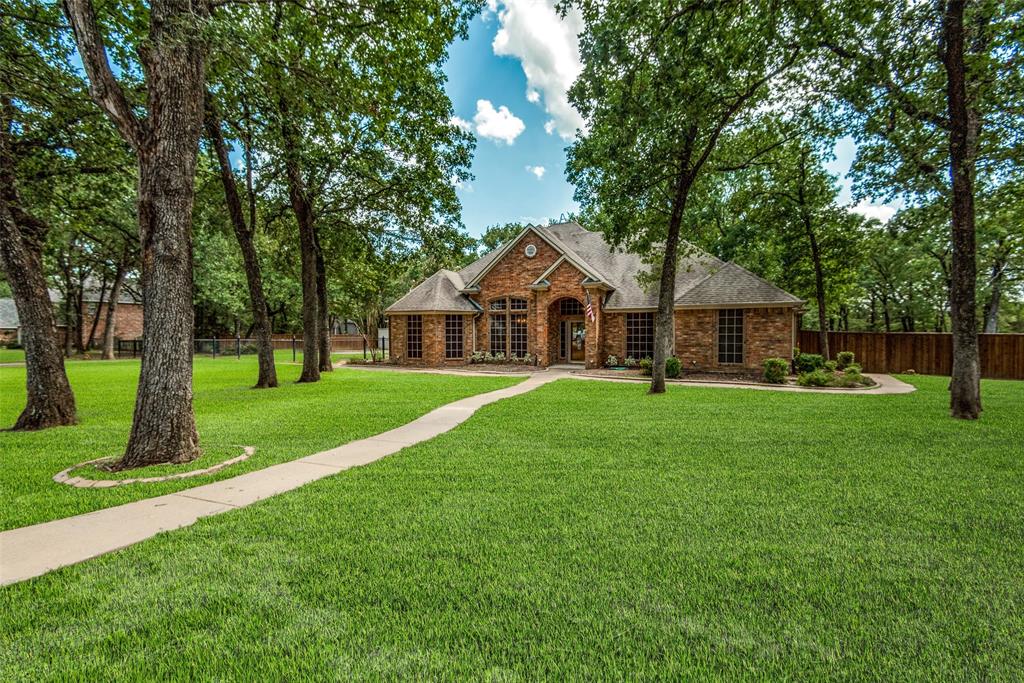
{"points": [[34, 550]]}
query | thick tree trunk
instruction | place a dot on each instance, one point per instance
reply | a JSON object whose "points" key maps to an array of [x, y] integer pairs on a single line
{"points": [[965, 383], [50, 402], [324, 327], [166, 144], [115, 294], [267, 376]]}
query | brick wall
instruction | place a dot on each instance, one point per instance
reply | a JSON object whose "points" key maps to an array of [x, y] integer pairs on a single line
{"points": [[127, 321], [433, 340], [767, 333]]}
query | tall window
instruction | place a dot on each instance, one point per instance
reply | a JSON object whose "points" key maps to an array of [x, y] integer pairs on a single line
{"points": [[508, 326], [730, 335], [639, 335], [453, 336], [414, 336]]}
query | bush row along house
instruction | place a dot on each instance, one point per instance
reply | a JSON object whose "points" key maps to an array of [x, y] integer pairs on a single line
{"points": [[127, 316], [562, 294]]}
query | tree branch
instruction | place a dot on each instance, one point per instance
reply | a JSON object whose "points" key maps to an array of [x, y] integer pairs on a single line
{"points": [[103, 86]]}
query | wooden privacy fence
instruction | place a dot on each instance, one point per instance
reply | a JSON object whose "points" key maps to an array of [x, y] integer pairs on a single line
{"points": [[928, 353]]}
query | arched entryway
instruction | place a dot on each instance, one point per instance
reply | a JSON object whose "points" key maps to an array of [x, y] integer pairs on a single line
{"points": [[567, 331]]}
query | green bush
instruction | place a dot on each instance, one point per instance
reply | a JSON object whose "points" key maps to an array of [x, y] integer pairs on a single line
{"points": [[815, 378], [645, 366], [673, 367], [612, 361], [853, 367], [844, 359], [830, 366], [775, 370], [809, 362]]}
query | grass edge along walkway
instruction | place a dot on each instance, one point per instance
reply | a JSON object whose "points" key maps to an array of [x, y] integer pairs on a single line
{"points": [[31, 551]]}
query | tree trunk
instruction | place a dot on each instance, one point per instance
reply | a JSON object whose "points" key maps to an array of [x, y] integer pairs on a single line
{"points": [[965, 383], [819, 275], [50, 402], [166, 144], [664, 323], [996, 290], [96, 315], [267, 376], [324, 328], [302, 207], [115, 294]]}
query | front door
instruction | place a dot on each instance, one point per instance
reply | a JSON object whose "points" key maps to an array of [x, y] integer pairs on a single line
{"points": [[577, 341]]}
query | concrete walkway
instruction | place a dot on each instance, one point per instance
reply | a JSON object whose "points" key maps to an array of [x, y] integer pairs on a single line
{"points": [[34, 550]]}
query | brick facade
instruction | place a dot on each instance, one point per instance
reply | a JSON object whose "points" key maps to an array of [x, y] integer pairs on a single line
{"points": [[768, 332]]}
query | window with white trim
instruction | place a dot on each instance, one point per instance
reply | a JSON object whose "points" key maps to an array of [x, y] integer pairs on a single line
{"points": [[508, 330]]}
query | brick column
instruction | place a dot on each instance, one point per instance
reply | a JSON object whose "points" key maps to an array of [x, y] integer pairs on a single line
{"points": [[593, 343], [540, 328]]}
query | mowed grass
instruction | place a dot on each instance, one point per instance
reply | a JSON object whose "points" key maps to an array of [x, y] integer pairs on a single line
{"points": [[290, 421], [12, 355], [586, 530]]}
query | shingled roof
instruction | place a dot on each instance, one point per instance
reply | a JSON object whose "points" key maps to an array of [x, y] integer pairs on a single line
{"points": [[701, 280]]}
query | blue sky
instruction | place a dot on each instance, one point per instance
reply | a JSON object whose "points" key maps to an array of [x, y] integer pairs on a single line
{"points": [[486, 75]]}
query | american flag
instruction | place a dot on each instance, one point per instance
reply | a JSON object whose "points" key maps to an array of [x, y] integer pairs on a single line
{"points": [[590, 308]]}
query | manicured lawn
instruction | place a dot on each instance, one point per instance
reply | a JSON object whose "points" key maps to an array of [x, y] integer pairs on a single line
{"points": [[586, 530], [12, 355], [283, 424]]}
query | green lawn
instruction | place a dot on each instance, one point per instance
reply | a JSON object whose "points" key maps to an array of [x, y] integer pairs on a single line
{"points": [[586, 530], [12, 355], [284, 423]]}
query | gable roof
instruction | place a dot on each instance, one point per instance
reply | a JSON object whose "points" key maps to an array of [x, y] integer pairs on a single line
{"points": [[440, 292], [701, 279]]}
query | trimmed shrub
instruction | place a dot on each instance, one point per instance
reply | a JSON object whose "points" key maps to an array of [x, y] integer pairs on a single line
{"points": [[815, 378], [612, 361], [673, 367], [830, 366], [645, 366], [809, 362], [775, 370], [630, 362], [844, 359]]}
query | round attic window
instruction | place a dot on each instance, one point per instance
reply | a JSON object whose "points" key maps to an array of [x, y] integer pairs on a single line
{"points": [[530, 251]]}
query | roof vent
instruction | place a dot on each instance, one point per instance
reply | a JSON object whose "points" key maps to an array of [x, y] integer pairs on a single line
{"points": [[530, 251]]}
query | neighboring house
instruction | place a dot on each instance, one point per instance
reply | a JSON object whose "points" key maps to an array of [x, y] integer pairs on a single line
{"points": [[127, 316], [530, 297]]}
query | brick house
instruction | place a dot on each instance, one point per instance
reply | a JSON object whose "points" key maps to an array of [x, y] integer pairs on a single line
{"points": [[127, 316], [530, 297]]}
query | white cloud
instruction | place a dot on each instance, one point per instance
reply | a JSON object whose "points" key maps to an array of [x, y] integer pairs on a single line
{"points": [[881, 212], [538, 171], [549, 126], [499, 124], [548, 49], [461, 124], [532, 96]]}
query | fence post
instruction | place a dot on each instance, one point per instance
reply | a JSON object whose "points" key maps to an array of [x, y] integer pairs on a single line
{"points": [[293, 348], [238, 347]]}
